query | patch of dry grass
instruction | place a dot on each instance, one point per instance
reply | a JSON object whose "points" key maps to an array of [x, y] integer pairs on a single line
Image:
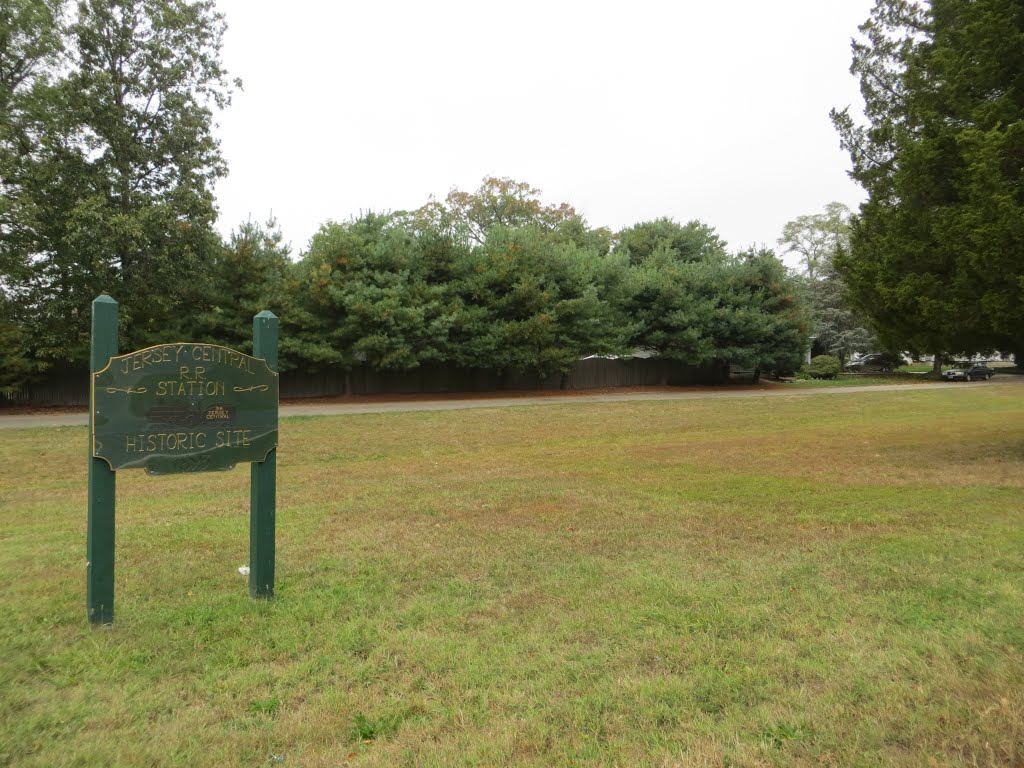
{"points": [[777, 581]]}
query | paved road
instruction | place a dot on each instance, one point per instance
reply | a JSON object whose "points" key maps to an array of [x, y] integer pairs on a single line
{"points": [[341, 409]]}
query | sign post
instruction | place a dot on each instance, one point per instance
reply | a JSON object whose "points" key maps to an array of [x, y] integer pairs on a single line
{"points": [[263, 483], [99, 566], [172, 408]]}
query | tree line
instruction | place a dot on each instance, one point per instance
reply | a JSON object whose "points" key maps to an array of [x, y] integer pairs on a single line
{"points": [[107, 165], [491, 279], [495, 279], [107, 162]]}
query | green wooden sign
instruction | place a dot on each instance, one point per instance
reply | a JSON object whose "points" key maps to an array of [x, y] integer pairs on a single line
{"points": [[184, 407]]}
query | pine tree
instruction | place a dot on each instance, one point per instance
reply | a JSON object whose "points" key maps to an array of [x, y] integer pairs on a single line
{"points": [[937, 257]]}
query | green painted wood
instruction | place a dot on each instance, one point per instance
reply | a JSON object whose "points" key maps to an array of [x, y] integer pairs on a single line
{"points": [[263, 489], [185, 407], [99, 591]]}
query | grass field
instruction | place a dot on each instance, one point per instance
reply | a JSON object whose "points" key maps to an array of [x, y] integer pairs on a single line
{"points": [[832, 580], [856, 380]]}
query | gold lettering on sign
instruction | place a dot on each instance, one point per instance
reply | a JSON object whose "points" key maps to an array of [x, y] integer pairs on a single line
{"points": [[179, 353], [233, 437], [191, 382], [145, 358], [175, 388], [207, 353], [254, 388], [164, 442]]}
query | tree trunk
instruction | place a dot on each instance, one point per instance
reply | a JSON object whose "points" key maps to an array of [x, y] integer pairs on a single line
{"points": [[937, 365]]}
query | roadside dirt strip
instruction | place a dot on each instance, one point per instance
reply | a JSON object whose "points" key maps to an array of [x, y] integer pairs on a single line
{"points": [[78, 419]]}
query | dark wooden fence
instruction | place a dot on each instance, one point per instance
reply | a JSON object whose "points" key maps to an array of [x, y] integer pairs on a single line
{"points": [[72, 387], [66, 386], [593, 373]]}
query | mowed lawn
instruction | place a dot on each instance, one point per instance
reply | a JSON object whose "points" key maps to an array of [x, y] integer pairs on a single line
{"points": [[828, 580]]}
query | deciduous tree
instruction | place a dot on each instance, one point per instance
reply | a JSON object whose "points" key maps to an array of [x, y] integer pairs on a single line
{"points": [[109, 161], [504, 202], [838, 327], [817, 237]]}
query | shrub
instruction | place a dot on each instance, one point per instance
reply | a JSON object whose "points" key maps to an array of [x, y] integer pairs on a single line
{"points": [[890, 361], [823, 367]]}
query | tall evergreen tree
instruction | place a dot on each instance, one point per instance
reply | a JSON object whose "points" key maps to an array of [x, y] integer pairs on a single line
{"points": [[535, 301], [937, 257], [251, 272], [690, 242], [693, 302], [373, 292]]}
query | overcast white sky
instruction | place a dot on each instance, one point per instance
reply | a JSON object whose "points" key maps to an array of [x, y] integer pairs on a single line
{"points": [[629, 111]]}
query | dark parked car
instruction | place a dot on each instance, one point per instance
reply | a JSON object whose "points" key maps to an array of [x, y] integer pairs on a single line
{"points": [[976, 372]]}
